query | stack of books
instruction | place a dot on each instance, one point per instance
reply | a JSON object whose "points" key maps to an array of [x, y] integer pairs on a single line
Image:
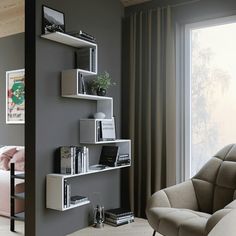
{"points": [[78, 199], [123, 160], [71, 200], [118, 216], [82, 35], [74, 160]]}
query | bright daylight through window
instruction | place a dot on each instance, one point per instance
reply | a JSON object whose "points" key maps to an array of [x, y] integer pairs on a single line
{"points": [[213, 91]]}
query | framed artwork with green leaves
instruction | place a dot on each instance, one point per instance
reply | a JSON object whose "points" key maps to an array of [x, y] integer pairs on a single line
{"points": [[15, 97]]}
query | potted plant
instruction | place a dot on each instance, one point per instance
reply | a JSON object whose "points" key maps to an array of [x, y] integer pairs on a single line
{"points": [[102, 83]]}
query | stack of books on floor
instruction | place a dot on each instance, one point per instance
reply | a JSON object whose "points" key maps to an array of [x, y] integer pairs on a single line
{"points": [[119, 216]]}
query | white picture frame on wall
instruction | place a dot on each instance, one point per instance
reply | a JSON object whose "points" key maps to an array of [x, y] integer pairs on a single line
{"points": [[15, 97]]}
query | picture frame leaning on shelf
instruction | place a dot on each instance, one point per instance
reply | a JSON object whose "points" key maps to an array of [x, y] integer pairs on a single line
{"points": [[52, 20]]}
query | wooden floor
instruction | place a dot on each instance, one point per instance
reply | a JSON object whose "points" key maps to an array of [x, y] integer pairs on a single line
{"points": [[5, 227], [139, 228]]}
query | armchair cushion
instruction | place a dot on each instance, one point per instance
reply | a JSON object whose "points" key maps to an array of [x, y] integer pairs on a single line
{"points": [[175, 221]]}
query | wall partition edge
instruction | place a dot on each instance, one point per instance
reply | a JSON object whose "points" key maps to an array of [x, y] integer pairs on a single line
{"points": [[30, 122]]}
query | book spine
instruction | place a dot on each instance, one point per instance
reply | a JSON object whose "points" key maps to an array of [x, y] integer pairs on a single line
{"points": [[115, 216], [113, 224], [119, 218], [87, 164], [79, 161], [65, 155], [93, 60], [82, 162], [85, 159], [120, 221], [65, 193], [101, 133], [98, 131], [72, 160], [76, 160], [90, 59], [117, 156], [68, 194], [82, 83]]}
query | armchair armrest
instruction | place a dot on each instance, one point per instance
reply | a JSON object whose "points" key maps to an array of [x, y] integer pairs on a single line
{"points": [[178, 196], [218, 215], [226, 225]]}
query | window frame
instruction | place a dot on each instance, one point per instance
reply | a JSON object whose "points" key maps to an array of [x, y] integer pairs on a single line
{"points": [[185, 91]]}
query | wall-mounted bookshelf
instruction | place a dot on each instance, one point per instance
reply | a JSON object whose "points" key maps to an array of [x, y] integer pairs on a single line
{"points": [[71, 88]]}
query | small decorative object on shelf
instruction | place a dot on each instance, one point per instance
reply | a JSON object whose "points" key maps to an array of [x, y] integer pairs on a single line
{"points": [[53, 21], [99, 216], [99, 115], [118, 216], [102, 83]]}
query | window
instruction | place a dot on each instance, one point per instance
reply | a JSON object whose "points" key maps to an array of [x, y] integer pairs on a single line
{"points": [[210, 90]]}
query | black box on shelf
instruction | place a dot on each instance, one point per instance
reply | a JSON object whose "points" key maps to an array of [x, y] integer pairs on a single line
{"points": [[109, 155]]}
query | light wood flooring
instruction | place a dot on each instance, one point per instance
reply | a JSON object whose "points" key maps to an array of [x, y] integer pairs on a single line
{"points": [[139, 228], [5, 227]]}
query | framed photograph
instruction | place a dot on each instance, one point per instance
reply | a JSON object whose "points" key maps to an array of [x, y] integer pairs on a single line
{"points": [[53, 21], [15, 97]]}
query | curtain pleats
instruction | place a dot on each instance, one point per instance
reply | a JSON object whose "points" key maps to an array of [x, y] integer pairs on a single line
{"points": [[151, 104]]}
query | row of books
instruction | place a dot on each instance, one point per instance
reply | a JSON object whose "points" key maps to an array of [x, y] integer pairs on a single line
{"points": [[119, 216], [71, 200], [106, 130], [74, 160]]}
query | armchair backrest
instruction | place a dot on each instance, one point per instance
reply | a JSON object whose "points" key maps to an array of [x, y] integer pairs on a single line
{"points": [[215, 183]]}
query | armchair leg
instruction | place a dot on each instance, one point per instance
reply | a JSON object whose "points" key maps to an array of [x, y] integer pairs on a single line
{"points": [[154, 233]]}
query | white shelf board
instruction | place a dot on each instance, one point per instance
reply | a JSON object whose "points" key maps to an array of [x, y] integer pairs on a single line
{"points": [[88, 97], [75, 205], [107, 142], [68, 40], [89, 172], [97, 119], [86, 72]]}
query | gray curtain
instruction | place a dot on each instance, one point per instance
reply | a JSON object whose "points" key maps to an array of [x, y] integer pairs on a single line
{"points": [[149, 106]]}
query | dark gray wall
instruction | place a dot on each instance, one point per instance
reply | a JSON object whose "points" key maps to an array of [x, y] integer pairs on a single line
{"points": [[11, 58], [57, 118]]}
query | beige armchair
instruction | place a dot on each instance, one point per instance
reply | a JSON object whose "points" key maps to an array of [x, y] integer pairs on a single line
{"points": [[194, 207]]}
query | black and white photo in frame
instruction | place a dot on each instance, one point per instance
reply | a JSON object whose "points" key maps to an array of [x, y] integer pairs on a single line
{"points": [[53, 20]]}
